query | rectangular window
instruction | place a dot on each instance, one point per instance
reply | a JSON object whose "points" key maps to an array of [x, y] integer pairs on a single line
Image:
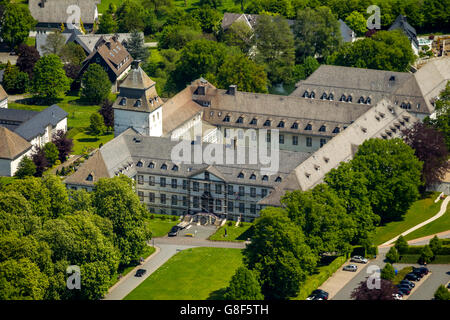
{"points": [[295, 140], [241, 207], [268, 138], [141, 195], [263, 192], [218, 188], [230, 206], [162, 182], [230, 190], [174, 200], [195, 202], [174, 183], [253, 192], [185, 184], [253, 208], [308, 141], [163, 198], [218, 205], [185, 202], [195, 186], [241, 191], [151, 197], [151, 181], [281, 138], [140, 179], [226, 132], [322, 142], [207, 187]]}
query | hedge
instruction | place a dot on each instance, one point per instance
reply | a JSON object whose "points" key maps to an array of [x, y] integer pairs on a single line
{"points": [[414, 258], [314, 281], [445, 250]]}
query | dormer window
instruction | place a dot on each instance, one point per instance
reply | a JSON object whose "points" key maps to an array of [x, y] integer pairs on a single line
{"points": [[313, 95], [361, 100], [226, 119], [267, 123], [241, 175], [253, 177], [164, 166], [324, 96], [240, 120], [294, 125], [265, 178], [336, 130], [281, 124], [331, 97], [368, 100], [90, 177], [278, 179], [151, 165], [123, 101], [254, 121], [342, 98], [323, 128], [138, 103], [307, 175], [305, 94], [326, 159], [349, 99], [308, 127], [364, 129], [139, 164], [175, 168]]}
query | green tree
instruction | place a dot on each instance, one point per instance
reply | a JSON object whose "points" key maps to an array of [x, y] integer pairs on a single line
{"points": [[393, 174], [442, 293], [80, 200], [442, 120], [95, 84], [243, 286], [357, 23], [136, 48], [54, 43], [304, 70], [401, 245], [240, 35], [177, 36], [385, 50], [279, 254], [26, 168], [210, 20], [59, 202], [388, 272], [14, 80], [321, 214], [275, 48], [51, 153], [316, 32], [115, 199], [73, 53], [108, 24], [130, 16], [16, 23], [426, 255], [392, 256], [435, 245], [96, 126], [49, 80], [244, 73], [16, 215]]}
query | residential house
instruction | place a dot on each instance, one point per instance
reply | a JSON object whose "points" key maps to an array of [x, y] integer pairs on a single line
{"points": [[12, 149], [401, 24], [3, 98]]}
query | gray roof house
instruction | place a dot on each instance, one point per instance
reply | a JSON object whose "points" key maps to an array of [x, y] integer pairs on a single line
{"points": [[51, 13], [348, 35], [401, 24]]}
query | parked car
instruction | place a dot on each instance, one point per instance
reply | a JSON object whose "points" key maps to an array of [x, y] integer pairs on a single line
{"points": [[351, 267], [397, 296], [140, 272], [421, 270], [318, 295], [359, 259], [407, 282], [174, 231], [404, 290], [412, 277]]}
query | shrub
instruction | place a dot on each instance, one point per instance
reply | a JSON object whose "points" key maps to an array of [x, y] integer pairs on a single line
{"points": [[230, 223], [426, 255], [442, 293], [435, 245], [401, 245], [174, 218], [392, 255], [152, 216], [388, 272]]}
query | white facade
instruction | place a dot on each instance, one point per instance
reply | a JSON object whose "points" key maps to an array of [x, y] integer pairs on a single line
{"points": [[9, 167], [149, 124], [41, 140], [4, 103]]}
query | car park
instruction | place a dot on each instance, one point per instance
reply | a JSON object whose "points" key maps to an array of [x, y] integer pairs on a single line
{"points": [[318, 295], [421, 270], [407, 282], [412, 277], [404, 290], [350, 267], [359, 259], [140, 272]]}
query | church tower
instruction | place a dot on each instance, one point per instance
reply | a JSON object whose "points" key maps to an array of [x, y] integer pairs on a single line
{"points": [[138, 105]]}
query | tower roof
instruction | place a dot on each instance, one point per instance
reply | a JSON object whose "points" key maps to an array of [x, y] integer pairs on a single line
{"points": [[11, 144]]}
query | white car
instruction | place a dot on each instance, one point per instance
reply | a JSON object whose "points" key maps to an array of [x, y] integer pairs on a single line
{"points": [[396, 296], [359, 259], [350, 267]]}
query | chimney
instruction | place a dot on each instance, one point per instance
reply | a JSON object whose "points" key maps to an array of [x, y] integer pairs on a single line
{"points": [[135, 64], [232, 89]]}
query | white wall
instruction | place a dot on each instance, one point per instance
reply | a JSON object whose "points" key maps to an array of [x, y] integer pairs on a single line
{"points": [[9, 167], [156, 125], [4, 103]]}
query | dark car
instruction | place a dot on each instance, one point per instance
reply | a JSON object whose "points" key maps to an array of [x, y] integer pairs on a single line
{"points": [[318, 295], [140, 272], [412, 277], [407, 282], [421, 270], [404, 290], [174, 231]]}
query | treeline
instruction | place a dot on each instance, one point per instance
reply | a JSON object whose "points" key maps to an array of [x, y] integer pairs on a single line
{"points": [[44, 229], [377, 186]]}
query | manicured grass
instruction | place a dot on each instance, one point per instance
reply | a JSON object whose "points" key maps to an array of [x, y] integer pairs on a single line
{"points": [[78, 120], [234, 233], [420, 211], [401, 275], [196, 274], [439, 225], [160, 227]]}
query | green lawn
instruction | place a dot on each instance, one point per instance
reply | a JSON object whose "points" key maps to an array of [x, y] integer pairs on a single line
{"points": [[420, 211], [233, 233], [401, 275], [197, 274], [439, 225], [191, 4], [77, 120], [160, 227]]}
